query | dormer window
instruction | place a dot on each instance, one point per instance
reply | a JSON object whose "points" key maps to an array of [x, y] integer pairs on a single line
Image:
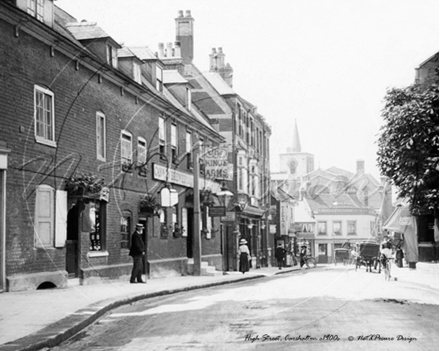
{"points": [[188, 99], [112, 56], [137, 76], [159, 79], [36, 9]]}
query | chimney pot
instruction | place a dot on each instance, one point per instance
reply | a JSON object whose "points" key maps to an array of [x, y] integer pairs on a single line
{"points": [[188, 13], [220, 50], [161, 51], [180, 13]]}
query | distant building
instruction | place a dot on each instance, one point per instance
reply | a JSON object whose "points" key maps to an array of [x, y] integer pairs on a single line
{"points": [[428, 71], [334, 206]]}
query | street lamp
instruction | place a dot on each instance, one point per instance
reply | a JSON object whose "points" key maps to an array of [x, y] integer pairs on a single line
{"points": [[225, 196]]}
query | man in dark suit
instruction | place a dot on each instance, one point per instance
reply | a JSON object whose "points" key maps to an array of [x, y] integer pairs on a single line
{"points": [[279, 254], [137, 251]]}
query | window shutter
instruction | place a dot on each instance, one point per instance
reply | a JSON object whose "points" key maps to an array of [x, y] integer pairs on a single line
{"points": [[185, 222], [44, 216], [60, 218]]}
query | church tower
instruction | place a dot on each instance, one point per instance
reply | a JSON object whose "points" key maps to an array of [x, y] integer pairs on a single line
{"points": [[294, 162]]}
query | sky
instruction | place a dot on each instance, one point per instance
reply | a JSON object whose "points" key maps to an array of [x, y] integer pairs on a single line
{"points": [[325, 63]]}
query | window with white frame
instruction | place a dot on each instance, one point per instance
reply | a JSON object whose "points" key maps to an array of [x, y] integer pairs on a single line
{"points": [[97, 213], [44, 116], [112, 56], [188, 149], [174, 143], [188, 99], [126, 150], [337, 228], [36, 9], [351, 227], [142, 151], [162, 136], [159, 78], [322, 228], [126, 220], [100, 136], [137, 76]]}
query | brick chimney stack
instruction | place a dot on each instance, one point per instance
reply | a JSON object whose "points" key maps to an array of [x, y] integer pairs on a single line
{"points": [[217, 64], [185, 35]]}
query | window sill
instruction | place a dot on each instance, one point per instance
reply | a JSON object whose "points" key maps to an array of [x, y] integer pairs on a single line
{"points": [[97, 254], [43, 141]]}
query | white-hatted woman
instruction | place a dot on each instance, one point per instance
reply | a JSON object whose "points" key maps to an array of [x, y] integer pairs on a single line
{"points": [[243, 250]]}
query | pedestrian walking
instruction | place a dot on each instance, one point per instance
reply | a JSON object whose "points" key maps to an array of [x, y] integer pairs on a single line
{"points": [[244, 256], [399, 257], [302, 255], [279, 254], [137, 251]]}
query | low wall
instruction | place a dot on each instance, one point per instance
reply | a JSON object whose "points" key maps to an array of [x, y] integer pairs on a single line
{"points": [[99, 274], [172, 267], [23, 282]]}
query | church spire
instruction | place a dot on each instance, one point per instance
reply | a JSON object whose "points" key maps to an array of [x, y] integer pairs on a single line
{"points": [[296, 142]]}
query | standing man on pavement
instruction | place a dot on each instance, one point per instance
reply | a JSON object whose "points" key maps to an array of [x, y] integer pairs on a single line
{"points": [[279, 254], [137, 251]]}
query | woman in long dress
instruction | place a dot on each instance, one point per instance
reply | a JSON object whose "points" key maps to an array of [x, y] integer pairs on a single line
{"points": [[244, 256]]}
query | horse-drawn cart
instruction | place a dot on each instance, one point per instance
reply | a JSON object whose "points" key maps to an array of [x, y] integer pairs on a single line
{"points": [[341, 256], [369, 256]]}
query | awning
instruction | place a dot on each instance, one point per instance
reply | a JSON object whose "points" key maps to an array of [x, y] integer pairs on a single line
{"points": [[307, 236], [402, 221]]}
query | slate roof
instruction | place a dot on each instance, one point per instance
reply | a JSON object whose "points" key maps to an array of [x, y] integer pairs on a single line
{"points": [[323, 201], [143, 52], [86, 30], [218, 83], [339, 171], [125, 52], [173, 76], [206, 103]]}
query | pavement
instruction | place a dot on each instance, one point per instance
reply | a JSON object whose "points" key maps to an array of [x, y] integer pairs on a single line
{"points": [[33, 320]]}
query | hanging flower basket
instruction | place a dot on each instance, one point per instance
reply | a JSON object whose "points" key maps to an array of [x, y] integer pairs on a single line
{"points": [[149, 204], [84, 184]]}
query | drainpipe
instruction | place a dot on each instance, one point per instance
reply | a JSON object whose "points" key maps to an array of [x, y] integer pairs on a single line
{"points": [[197, 248]]}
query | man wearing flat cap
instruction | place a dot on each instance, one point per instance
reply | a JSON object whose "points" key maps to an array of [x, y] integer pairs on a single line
{"points": [[137, 251]]}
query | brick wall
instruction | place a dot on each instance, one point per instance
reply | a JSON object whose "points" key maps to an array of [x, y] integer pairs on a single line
{"points": [[79, 93]]}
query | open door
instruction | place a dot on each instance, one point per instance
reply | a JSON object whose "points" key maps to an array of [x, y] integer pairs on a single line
{"points": [[72, 243]]}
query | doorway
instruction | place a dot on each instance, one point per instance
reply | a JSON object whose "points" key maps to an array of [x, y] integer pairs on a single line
{"points": [[72, 245], [189, 238], [144, 221], [322, 253]]}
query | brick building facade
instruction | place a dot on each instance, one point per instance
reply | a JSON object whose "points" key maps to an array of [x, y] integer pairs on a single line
{"points": [[72, 109]]}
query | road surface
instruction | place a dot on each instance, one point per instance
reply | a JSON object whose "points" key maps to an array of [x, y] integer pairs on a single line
{"points": [[325, 309]]}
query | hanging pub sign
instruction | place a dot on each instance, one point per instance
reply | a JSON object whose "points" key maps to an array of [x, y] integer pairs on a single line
{"points": [[217, 211], [217, 165]]}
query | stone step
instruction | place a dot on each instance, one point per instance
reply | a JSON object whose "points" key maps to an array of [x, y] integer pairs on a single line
{"points": [[205, 269]]}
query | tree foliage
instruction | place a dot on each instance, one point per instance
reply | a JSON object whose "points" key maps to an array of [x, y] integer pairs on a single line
{"points": [[408, 152]]}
